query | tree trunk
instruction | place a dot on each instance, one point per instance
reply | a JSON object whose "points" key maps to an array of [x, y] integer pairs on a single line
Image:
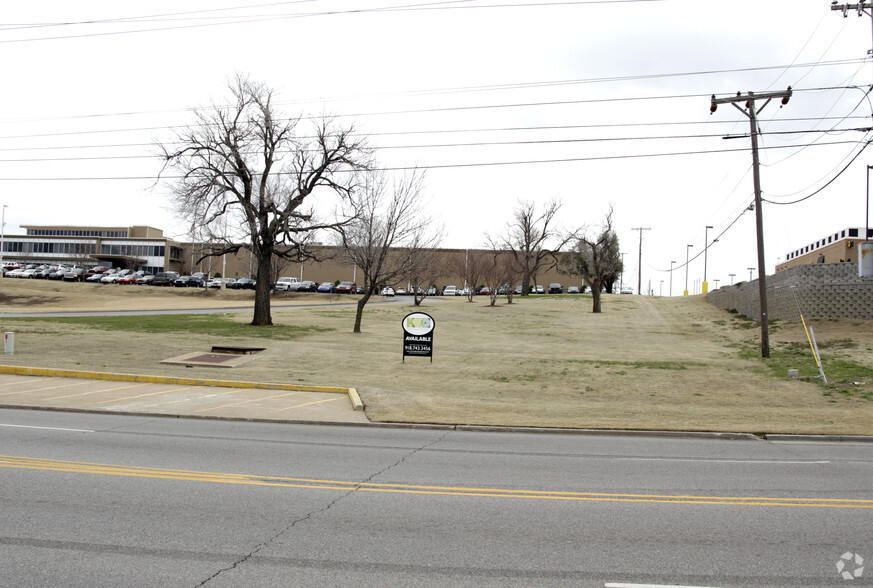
{"points": [[262, 316], [359, 312], [595, 294]]}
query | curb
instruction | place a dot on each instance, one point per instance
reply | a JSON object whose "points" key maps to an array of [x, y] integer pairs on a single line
{"points": [[352, 393]]}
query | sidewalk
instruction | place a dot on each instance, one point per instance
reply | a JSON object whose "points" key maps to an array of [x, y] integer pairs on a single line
{"points": [[34, 388]]}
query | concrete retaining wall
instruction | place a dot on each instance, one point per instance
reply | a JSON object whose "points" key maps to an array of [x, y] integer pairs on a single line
{"points": [[823, 290]]}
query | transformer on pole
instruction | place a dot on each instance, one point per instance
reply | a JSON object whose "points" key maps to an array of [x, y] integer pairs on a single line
{"points": [[750, 109]]}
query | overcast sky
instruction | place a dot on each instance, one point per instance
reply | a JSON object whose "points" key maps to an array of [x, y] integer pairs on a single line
{"points": [[595, 103]]}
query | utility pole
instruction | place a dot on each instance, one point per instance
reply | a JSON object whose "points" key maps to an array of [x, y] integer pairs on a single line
{"points": [[751, 111], [860, 8], [640, 273], [671, 277], [732, 278]]}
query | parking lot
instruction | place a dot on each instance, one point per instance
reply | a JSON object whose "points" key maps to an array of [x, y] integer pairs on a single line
{"points": [[179, 400]]}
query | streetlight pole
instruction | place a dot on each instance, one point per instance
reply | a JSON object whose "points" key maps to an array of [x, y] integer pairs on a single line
{"points": [[671, 277], [732, 278], [716, 284], [2, 232], [751, 269], [705, 250], [687, 259]]}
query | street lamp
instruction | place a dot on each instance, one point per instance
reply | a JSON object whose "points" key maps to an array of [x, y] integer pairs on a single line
{"points": [[705, 250], [716, 284], [687, 259], [671, 277], [751, 269], [732, 278], [661, 289]]}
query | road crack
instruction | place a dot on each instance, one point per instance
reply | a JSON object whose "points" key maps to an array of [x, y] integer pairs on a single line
{"points": [[266, 543]]}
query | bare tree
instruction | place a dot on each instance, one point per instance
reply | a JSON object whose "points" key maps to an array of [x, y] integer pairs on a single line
{"points": [[528, 236], [469, 265], [387, 238], [499, 271], [247, 180], [595, 259], [426, 265]]}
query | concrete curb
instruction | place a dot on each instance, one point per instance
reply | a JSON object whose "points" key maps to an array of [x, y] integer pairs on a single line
{"points": [[354, 398]]}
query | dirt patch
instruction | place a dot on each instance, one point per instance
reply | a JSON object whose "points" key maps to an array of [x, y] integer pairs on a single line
{"points": [[644, 363]]}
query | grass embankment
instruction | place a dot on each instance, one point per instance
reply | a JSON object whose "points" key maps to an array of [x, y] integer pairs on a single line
{"points": [[644, 363]]}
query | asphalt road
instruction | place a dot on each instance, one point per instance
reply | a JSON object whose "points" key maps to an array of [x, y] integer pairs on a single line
{"points": [[104, 500]]}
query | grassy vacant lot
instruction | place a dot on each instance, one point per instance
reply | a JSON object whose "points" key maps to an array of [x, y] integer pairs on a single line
{"points": [[644, 363]]}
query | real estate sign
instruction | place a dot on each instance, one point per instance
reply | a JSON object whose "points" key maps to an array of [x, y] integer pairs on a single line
{"points": [[418, 335]]}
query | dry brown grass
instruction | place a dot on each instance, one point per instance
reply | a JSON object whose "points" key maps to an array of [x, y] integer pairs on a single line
{"points": [[644, 363]]}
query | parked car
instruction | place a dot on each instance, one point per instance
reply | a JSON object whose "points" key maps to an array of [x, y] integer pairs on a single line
{"points": [[28, 273], [92, 278], [346, 287], [540, 290], [287, 284], [485, 291], [244, 284], [573, 290], [387, 291], [401, 292], [450, 291], [58, 274], [97, 269], [16, 273], [189, 282], [145, 280], [217, 282], [556, 288], [165, 278], [326, 287], [307, 286], [73, 274], [627, 290], [129, 278]]}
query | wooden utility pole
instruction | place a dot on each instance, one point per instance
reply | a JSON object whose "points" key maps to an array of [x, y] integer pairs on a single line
{"points": [[640, 262], [751, 111]]}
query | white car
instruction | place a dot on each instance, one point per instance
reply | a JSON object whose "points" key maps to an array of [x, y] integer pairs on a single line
{"points": [[450, 291], [287, 284], [627, 290], [387, 291]]}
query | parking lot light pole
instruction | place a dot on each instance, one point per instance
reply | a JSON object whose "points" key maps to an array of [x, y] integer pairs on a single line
{"points": [[705, 250], [2, 232], [687, 259], [671, 277]]}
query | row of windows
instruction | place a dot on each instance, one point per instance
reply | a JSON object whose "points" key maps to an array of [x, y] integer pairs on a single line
{"points": [[40, 247], [844, 234], [76, 233], [133, 250]]}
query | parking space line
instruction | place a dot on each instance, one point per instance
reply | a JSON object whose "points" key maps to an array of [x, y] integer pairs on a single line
{"points": [[97, 391], [246, 402], [126, 398], [308, 404], [13, 382], [32, 390]]}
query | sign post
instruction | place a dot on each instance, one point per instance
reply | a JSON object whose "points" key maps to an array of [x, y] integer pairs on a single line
{"points": [[418, 335]]}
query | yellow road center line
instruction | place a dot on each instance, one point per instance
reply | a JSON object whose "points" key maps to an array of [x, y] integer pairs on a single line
{"points": [[316, 484]]}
